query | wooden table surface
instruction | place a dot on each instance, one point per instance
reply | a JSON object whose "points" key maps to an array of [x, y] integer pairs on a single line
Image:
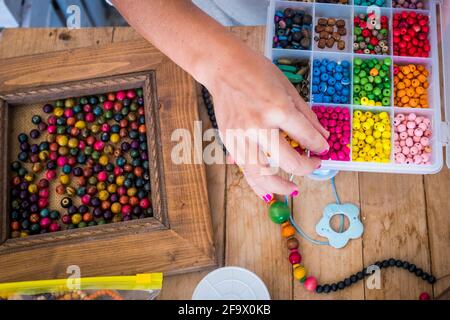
{"points": [[405, 216]]}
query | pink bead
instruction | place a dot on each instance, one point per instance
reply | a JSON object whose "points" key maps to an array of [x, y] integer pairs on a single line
{"points": [[402, 143], [396, 122], [424, 141], [414, 151], [409, 142], [424, 296], [338, 129], [51, 129], [419, 120], [42, 203], [126, 210], [418, 146], [416, 139], [401, 128], [311, 282], [89, 117], [68, 113], [401, 117], [44, 193], [334, 116], [423, 126], [411, 125], [410, 132], [333, 156], [427, 121], [61, 162], [418, 132], [396, 143], [108, 105], [344, 141], [86, 199], [319, 115], [54, 227], [53, 156], [81, 144], [104, 127], [118, 171], [332, 123], [412, 117], [322, 109], [405, 151], [121, 95], [425, 157], [346, 150], [99, 145], [409, 161], [131, 94], [341, 155], [121, 191], [427, 133], [400, 158], [396, 137], [87, 108], [50, 175], [45, 222], [417, 159], [329, 110], [346, 128], [397, 149], [102, 176]]}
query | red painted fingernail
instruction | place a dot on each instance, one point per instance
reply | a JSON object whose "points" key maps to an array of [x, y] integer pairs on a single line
{"points": [[268, 197], [294, 193]]}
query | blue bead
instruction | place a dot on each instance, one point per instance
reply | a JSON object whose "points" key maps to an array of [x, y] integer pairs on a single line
{"points": [[326, 99], [323, 69], [345, 64], [331, 91], [338, 76], [323, 87], [345, 81], [344, 99], [338, 86], [316, 80], [339, 68], [336, 99], [282, 38], [324, 77], [318, 98], [345, 92], [316, 72], [331, 81], [315, 89]]}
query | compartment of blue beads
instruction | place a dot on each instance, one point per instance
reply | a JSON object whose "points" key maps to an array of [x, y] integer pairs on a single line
{"points": [[331, 81]]}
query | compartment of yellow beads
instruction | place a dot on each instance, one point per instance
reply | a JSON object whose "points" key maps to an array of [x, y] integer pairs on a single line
{"points": [[371, 139]]}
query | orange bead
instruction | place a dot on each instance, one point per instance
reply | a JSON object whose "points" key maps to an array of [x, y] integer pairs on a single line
{"points": [[287, 231], [374, 72]]}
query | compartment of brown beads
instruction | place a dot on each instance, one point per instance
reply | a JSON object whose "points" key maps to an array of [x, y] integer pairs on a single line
{"points": [[80, 159]]}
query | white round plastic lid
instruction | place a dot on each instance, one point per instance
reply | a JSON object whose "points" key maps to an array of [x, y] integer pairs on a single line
{"points": [[231, 283]]}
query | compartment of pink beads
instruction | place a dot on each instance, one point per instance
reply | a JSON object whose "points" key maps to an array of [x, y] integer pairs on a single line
{"points": [[412, 138], [337, 120]]}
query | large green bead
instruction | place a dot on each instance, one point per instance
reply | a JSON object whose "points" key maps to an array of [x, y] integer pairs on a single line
{"points": [[279, 212]]}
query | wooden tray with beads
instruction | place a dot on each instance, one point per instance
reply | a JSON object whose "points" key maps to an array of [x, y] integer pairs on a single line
{"points": [[177, 237]]}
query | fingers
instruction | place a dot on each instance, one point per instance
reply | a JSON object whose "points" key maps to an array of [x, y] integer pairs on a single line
{"points": [[300, 128], [303, 107]]}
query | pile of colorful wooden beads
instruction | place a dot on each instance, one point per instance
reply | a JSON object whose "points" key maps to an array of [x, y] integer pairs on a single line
{"points": [[408, 4], [411, 86], [371, 140], [370, 35], [372, 82], [292, 29], [412, 134], [329, 33], [411, 31], [331, 81], [337, 121], [297, 71], [279, 213], [95, 152]]}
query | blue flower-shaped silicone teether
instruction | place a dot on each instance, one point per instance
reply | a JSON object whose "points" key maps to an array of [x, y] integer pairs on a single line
{"points": [[336, 239]]}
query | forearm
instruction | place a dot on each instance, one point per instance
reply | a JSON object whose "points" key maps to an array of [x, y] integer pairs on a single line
{"points": [[189, 37]]}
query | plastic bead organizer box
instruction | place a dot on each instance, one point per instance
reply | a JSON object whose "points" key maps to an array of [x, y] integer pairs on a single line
{"points": [[439, 129]]}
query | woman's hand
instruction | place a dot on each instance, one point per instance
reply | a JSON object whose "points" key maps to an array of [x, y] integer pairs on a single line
{"points": [[249, 92], [254, 96]]}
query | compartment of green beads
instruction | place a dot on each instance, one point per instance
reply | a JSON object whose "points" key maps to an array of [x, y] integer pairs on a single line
{"points": [[77, 163]]}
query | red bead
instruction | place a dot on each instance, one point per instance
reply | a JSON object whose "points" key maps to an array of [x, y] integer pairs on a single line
{"points": [[145, 204], [108, 105], [45, 223], [102, 176], [66, 219], [295, 257], [44, 193], [50, 174], [424, 296], [54, 227], [121, 95]]}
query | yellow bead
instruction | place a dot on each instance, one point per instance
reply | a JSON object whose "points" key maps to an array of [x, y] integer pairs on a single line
{"points": [[384, 115], [95, 128], [294, 144], [363, 118], [372, 103], [64, 179], [120, 180], [299, 273], [43, 155], [112, 188], [381, 127], [356, 125], [103, 160], [364, 101], [371, 153], [76, 218], [29, 177], [32, 188], [131, 192], [115, 138], [370, 139], [58, 112], [80, 124], [103, 195], [378, 104], [23, 234], [62, 140], [362, 136], [377, 134], [101, 186], [386, 134], [357, 113], [116, 208], [73, 143]]}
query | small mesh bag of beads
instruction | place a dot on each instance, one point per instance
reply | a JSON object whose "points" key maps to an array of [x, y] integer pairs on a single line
{"points": [[81, 162], [139, 287]]}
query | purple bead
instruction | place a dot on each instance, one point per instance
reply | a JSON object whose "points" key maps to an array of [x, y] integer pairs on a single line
{"points": [[25, 204], [34, 208], [24, 185], [144, 155], [83, 209], [95, 202], [126, 218], [137, 211], [135, 144], [34, 134], [98, 213], [125, 146], [34, 148], [42, 126], [72, 210], [25, 146], [107, 215], [48, 108], [77, 172], [97, 168], [34, 198], [114, 197]]}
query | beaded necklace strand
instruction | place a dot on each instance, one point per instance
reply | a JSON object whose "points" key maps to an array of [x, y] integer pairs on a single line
{"points": [[280, 213]]}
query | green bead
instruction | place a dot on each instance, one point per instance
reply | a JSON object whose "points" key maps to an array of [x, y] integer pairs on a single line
{"points": [[358, 31], [279, 212], [386, 101], [357, 101], [377, 91], [387, 61], [368, 87], [358, 61], [82, 224], [356, 88], [356, 79], [283, 67], [387, 92], [371, 96], [377, 79], [362, 74], [294, 78]]}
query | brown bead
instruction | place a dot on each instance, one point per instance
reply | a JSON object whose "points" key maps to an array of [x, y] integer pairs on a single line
{"points": [[340, 23], [336, 36], [60, 189], [292, 243], [322, 43], [329, 29], [341, 44], [322, 22], [324, 35], [330, 43], [319, 29], [342, 31], [331, 22]]}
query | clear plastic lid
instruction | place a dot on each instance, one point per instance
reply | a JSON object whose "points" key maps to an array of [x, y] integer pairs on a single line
{"points": [[445, 35]]}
